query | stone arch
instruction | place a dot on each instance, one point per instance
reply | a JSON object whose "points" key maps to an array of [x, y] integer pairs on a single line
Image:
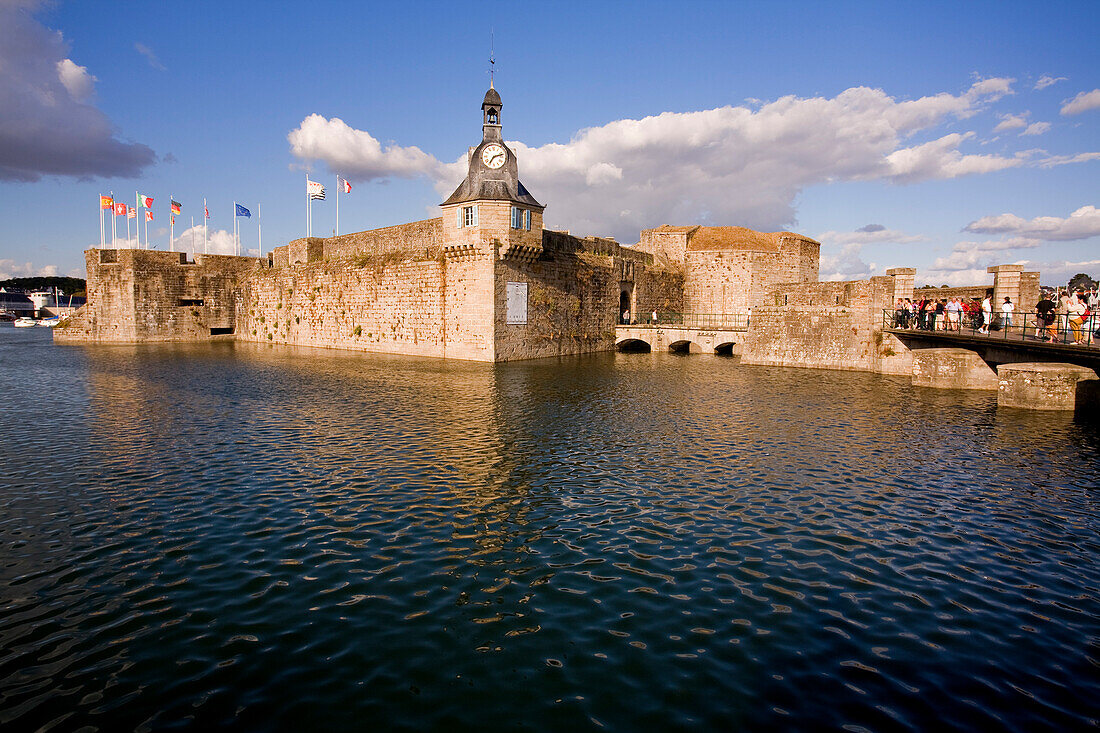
{"points": [[633, 346], [726, 348], [683, 346]]}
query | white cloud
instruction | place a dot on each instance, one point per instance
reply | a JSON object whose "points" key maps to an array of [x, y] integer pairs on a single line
{"points": [[76, 79], [46, 126], [355, 153], [1036, 128], [845, 264], [743, 165], [942, 159], [1046, 81], [218, 242], [870, 234], [150, 56], [1011, 122], [1060, 271], [11, 268], [1083, 102], [1081, 224], [1052, 160]]}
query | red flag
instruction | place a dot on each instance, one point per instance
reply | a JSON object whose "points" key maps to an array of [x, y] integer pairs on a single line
{"points": [[148, 216], [206, 211], [347, 186], [120, 209], [173, 219]]}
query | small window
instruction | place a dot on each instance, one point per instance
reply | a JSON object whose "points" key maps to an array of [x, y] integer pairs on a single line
{"points": [[221, 331], [527, 218], [469, 216], [517, 217], [189, 302]]}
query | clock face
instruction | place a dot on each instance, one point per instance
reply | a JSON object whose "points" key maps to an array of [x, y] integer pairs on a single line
{"points": [[493, 156]]}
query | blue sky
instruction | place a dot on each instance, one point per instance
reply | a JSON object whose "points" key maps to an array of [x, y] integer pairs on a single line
{"points": [[943, 136]]}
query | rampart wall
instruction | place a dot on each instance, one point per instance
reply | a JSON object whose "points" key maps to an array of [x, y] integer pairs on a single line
{"points": [[829, 325], [147, 295]]}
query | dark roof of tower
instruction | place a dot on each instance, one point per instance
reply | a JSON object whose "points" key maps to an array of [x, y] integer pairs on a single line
{"points": [[491, 191], [491, 97]]}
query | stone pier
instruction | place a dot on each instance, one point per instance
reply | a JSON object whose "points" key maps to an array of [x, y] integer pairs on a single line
{"points": [[952, 369], [1047, 386]]}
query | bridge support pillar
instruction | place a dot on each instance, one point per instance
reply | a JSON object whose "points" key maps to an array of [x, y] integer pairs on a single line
{"points": [[1047, 386], [952, 369]]}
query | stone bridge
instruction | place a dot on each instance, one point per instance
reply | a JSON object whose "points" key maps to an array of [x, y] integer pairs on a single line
{"points": [[679, 338]]}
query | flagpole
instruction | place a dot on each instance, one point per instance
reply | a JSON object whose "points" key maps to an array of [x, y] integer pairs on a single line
{"points": [[260, 229], [205, 217], [309, 210], [137, 208], [171, 226], [101, 232], [129, 242], [337, 232], [146, 218], [113, 235], [192, 235], [234, 226]]}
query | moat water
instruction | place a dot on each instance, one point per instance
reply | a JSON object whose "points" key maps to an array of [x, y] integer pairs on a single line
{"points": [[278, 539]]}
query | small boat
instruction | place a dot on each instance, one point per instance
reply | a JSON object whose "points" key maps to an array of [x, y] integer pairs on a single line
{"points": [[25, 322], [49, 322]]}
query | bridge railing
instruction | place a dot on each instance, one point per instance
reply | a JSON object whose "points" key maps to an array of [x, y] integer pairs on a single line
{"points": [[717, 321], [1023, 326]]}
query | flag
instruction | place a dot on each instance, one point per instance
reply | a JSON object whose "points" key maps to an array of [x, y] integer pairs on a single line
{"points": [[146, 201], [106, 202], [206, 211], [131, 212], [120, 209], [177, 207], [347, 186], [173, 218], [241, 211], [148, 216], [315, 190]]}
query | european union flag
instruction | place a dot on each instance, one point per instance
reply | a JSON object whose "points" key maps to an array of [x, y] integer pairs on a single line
{"points": [[241, 211]]}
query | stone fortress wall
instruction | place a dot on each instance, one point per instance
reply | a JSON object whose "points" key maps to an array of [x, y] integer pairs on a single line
{"points": [[728, 270], [391, 290]]}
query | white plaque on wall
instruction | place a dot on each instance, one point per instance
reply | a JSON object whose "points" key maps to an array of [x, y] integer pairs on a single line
{"points": [[517, 304]]}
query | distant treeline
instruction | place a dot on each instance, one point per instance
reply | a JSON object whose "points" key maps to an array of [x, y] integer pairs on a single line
{"points": [[67, 285]]}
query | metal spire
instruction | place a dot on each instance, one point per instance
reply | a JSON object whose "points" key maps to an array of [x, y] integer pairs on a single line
{"points": [[492, 56]]}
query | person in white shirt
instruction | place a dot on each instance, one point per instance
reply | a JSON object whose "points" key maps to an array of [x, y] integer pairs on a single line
{"points": [[1006, 314], [987, 314]]}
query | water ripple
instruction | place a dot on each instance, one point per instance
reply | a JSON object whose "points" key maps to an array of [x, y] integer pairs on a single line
{"points": [[278, 538]]}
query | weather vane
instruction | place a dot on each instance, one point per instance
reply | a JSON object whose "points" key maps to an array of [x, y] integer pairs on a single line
{"points": [[492, 56]]}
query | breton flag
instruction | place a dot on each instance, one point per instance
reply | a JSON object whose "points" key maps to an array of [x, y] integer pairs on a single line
{"points": [[106, 202], [131, 212], [177, 207], [241, 211], [148, 216], [315, 190], [347, 186], [146, 201]]}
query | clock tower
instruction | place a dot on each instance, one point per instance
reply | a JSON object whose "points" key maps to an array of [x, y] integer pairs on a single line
{"points": [[491, 211]]}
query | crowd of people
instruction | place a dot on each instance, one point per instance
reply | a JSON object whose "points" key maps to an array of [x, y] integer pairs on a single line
{"points": [[1063, 317]]}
